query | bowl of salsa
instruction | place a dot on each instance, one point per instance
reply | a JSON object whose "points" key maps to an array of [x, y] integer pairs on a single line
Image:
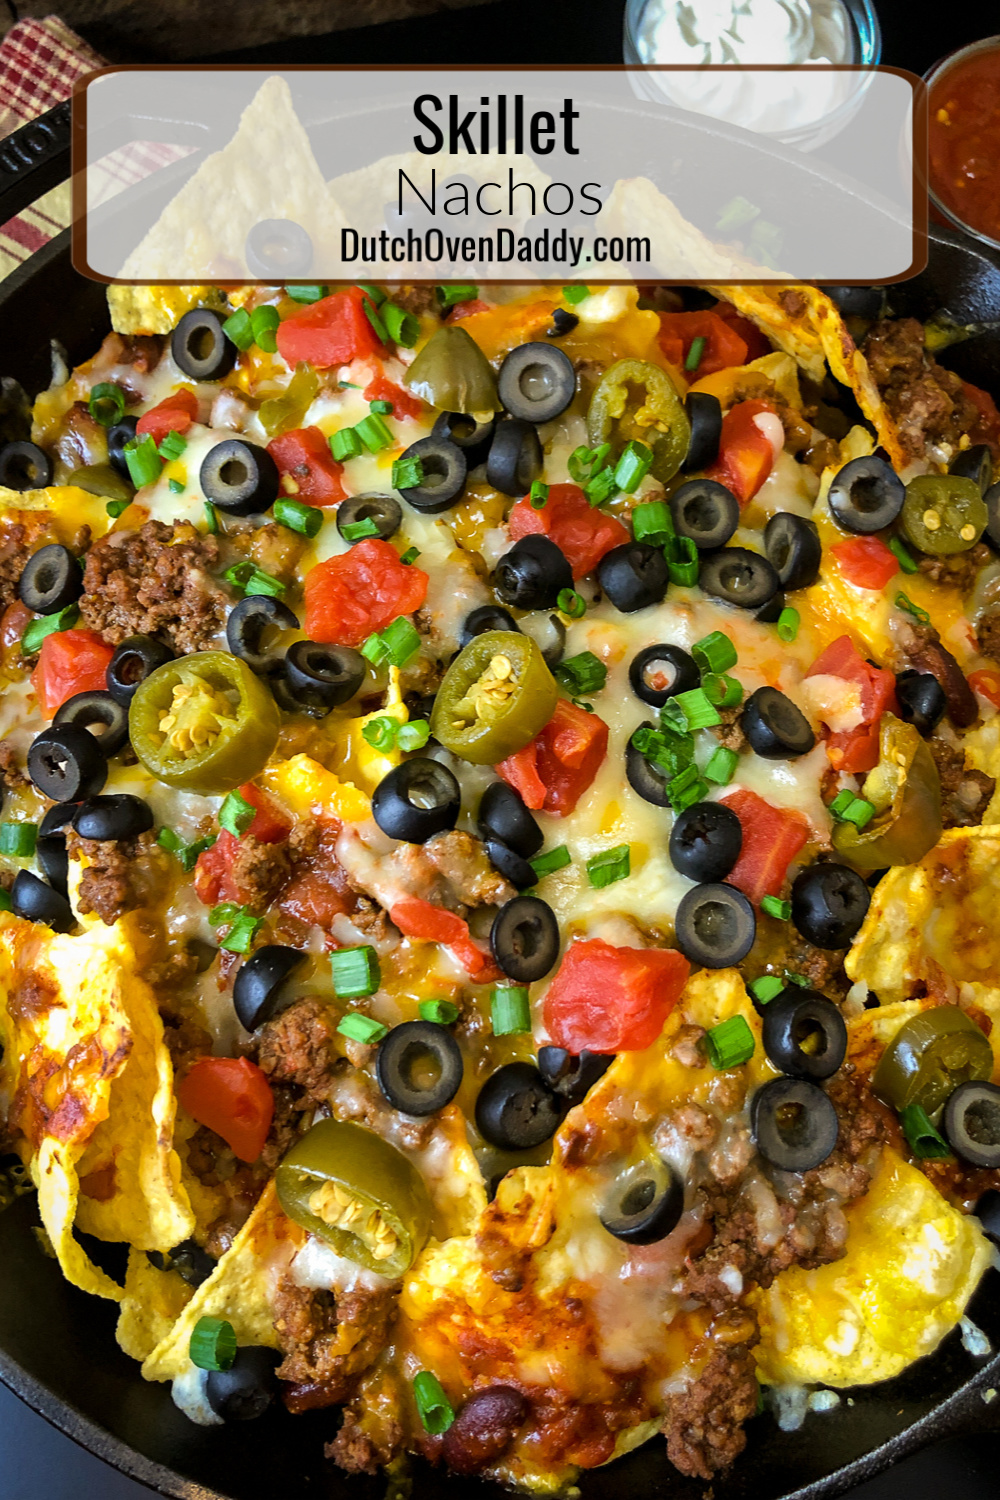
{"points": [[964, 139]]}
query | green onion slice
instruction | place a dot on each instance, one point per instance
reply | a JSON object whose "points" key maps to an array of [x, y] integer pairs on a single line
{"points": [[213, 1344], [18, 839], [788, 624], [345, 444], [107, 403], [238, 329], [632, 467], [361, 1028], [652, 523], [432, 1403], [720, 767], [575, 294], [455, 292], [402, 327], [510, 1010], [314, 293], [715, 652], [143, 461], [730, 1044], [356, 972], [925, 1142], [766, 988], [610, 865], [583, 673], [297, 516], [236, 814], [38, 629], [550, 861], [374, 433], [441, 1012], [775, 907]]}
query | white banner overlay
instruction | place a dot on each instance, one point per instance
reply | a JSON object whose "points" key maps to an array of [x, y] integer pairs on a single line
{"points": [[200, 175]]}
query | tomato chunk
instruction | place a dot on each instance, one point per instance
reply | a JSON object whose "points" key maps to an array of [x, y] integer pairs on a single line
{"points": [[758, 344], [723, 345], [403, 404], [173, 414], [357, 592], [216, 877], [333, 331], [304, 456], [986, 682], [554, 771], [866, 561], [987, 428], [610, 999], [746, 456], [317, 890], [421, 919], [70, 662], [581, 533], [856, 749], [772, 836], [232, 1097]]}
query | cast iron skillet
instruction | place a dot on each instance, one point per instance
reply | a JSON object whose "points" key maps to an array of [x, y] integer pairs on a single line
{"points": [[57, 1348]]}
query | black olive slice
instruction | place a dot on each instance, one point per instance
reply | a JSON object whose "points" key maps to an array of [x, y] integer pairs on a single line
{"points": [[24, 466], [532, 574], [922, 700], [53, 860], [322, 677], [992, 532], [738, 576], [485, 617], [974, 463], [121, 433], [257, 988], [445, 469], [473, 437], [239, 477], [775, 727], [804, 1034], [515, 457], [705, 511], [193, 1264], [117, 816], [383, 511], [704, 414], [972, 1123], [715, 925], [866, 496], [278, 250], [135, 659], [503, 815], [645, 779], [794, 1124], [57, 819], [101, 714], [705, 841], [645, 1205], [770, 613], [536, 382], [634, 576], [793, 548], [987, 1211], [511, 865], [416, 800], [657, 673], [829, 904], [199, 347], [66, 764], [50, 579], [35, 901], [244, 1391], [549, 634], [572, 1074], [867, 302], [563, 322], [516, 1109], [525, 939], [419, 1067], [253, 618]]}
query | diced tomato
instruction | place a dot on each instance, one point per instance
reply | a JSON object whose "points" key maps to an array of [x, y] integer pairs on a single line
{"points": [[581, 533], [333, 331], [746, 456], [772, 836], [420, 919], [270, 825], [857, 749], [304, 456], [357, 592], [232, 1097], [758, 344], [174, 414], [70, 662], [986, 682], [987, 428], [317, 890], [466, 310], [866, 561], [554, 771], [723, 346], [610, 999], [214, 879], [403, 404]]}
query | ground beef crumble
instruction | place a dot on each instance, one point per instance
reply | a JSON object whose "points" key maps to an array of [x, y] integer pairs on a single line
{"points": [[926, 400], [965, 792], [328, 1339], [704, 1425], [364, 1445], [154, 581], [121, 875], [298, 1048], [12, 777]]}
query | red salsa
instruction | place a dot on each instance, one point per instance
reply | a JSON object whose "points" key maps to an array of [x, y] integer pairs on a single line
{"points": [[965, 140]]}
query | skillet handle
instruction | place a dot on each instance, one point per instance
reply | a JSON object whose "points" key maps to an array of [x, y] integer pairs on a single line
{"points": [[33, 159]]}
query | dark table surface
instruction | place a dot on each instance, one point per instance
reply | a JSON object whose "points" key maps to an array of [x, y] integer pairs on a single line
{"points": [[38, 1463]]}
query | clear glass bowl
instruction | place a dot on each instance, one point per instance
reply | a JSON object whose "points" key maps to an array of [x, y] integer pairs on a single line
{"points": [[932, 76], [866, 49]]}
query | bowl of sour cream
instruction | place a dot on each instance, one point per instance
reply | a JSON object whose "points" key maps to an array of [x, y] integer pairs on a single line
{"points": [[804, 106]]}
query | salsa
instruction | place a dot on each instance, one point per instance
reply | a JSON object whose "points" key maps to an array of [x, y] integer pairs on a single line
{"points": [[964, 140]]}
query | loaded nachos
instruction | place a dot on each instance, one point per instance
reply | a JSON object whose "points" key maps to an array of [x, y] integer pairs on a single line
{"points": [[499, 853]]}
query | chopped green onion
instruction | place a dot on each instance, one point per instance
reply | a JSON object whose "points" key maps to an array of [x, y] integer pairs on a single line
{"points": [[588, 708], [766, 987], [455, 292], [239, 938], [378, 327], [407, 473], [730, 1044], [632, 467], [737, 212], [414, 735], [860, 813], [694, 354], [238, 329], [582, 673], [143, 460], [715, 652], [583, 463], [432, 1403], [381, 408], [723, 692], [686, 788], [173, 446], [314, 293], [571, 603], [652, 523], [395, 644], [402, 327], [176, 488], [374, 433], [356, 531], [610, 865], [925, 1141], [186, 853], [550, 861], [601, 487], [211, 518], [116, 508], [38, 629], [441, 1012], [575, 294], [907, 563], [260, 582], [843, 800], [698, 711], [788, 624], [538, 495], [263, 322], [356, 972], [380, 733], [670, 752], [212, 1345], [682, 561], [361, 1028], [236, 814], [510, 1011], [721, 766], [371, 290], [345, 444], [410, 555], [226, 911], [107, 403], [799, 979], [775, 907], [673, 718], [902, 602], [18, 839], [5, 902], [297, 516]]}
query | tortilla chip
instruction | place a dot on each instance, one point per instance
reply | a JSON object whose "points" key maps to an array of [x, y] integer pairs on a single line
{"points": [[152, 1303], [637, 207], [157, 309]]}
